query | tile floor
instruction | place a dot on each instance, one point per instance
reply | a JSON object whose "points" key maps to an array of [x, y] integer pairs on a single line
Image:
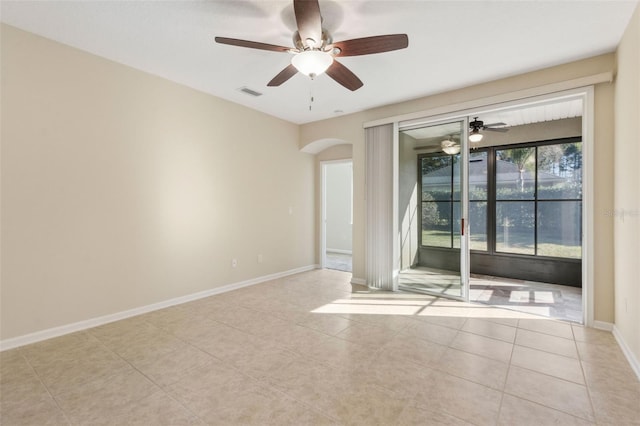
{"points": [[549, 300], [338, 261], [307, 350], [439, 281]]}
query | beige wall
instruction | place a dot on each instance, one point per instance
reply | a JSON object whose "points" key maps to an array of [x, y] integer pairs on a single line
{"points": [[121, 189], [350, 128], [337, 152], [603, 200], [626, 209]]}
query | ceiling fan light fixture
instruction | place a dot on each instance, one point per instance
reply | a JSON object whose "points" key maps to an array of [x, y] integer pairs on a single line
{"points": [[475, 136], [312, 62], [314, 49], [450, 147]]}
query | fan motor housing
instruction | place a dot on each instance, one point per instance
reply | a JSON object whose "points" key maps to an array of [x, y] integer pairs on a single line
{"points": [[300, 45]]}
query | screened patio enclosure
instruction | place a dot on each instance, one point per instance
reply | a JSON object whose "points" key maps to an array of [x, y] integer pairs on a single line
{"points": [[524, 203]]}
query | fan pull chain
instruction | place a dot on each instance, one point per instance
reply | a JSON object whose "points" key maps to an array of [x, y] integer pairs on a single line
{"points": [[311, 96]]}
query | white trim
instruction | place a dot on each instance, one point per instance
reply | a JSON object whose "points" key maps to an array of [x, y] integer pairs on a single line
{"points": [[341, 161], [339, 251], [498, 99], [603, 325], [358, 281], [465, 250], [94, 322], [588, 207], [626, 350], [395, 219], [323, 215], [547, 98]]}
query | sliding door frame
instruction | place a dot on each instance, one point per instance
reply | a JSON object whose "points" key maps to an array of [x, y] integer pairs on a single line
{"points": [[584, 93], [464, 200]]}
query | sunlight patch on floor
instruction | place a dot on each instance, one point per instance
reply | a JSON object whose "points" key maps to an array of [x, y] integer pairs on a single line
{"points": [[372, 309], [406, 305]]}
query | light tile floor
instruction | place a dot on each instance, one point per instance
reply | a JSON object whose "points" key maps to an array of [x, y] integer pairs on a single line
{"points": [[307, 350], [338, 261], [549, 300], [439, 281]]}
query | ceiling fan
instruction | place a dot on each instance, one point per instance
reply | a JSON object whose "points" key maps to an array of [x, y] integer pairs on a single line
{"points": [[315, 51], [477, 125]]}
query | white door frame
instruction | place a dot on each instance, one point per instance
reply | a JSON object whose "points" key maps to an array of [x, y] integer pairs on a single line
{"points": [[323, 206], [465, 254]]}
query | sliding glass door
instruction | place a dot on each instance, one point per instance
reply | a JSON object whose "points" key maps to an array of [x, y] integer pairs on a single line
{"points": [[440, 263]]}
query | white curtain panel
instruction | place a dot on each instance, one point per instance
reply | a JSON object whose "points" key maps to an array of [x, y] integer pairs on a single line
{"points": [[379, 207]]}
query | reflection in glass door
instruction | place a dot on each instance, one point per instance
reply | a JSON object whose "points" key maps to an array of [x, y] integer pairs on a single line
{"points": [[432, 162]]}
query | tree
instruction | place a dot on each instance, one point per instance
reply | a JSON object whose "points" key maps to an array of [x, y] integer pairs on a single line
{"points": [[571, 159], [520, 157], [548, 158], [430, 214]]}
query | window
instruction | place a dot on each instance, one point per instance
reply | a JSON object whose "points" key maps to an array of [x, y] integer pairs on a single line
{"points": [[440, 198], [523, 200], [478, 200], [515, 200], [559, 200]]}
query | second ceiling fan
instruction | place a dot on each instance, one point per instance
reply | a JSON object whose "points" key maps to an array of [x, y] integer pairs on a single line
{"points": [[477, 125], [315, 52]]}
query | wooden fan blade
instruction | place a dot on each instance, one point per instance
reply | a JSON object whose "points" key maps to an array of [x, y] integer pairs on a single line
{"points": [[370, 45], [283, 76], [496, 129], [344, 76], [495, 124], [251, 44], [309, 21]]}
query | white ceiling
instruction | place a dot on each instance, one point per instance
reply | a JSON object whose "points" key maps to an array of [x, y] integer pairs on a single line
{"points": [[452, 44]]}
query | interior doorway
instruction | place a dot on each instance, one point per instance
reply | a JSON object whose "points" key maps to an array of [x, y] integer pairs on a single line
{"points": [[337, 215], [525, 208]]}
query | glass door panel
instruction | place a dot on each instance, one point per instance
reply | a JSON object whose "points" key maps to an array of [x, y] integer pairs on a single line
{"points": [[441, 257], [478, 200]]}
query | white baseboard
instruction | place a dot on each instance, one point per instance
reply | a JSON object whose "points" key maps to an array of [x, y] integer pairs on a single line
{"points": [[626, 350], [94, 322], [602, 325], [339, 251], [358, 281]]}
